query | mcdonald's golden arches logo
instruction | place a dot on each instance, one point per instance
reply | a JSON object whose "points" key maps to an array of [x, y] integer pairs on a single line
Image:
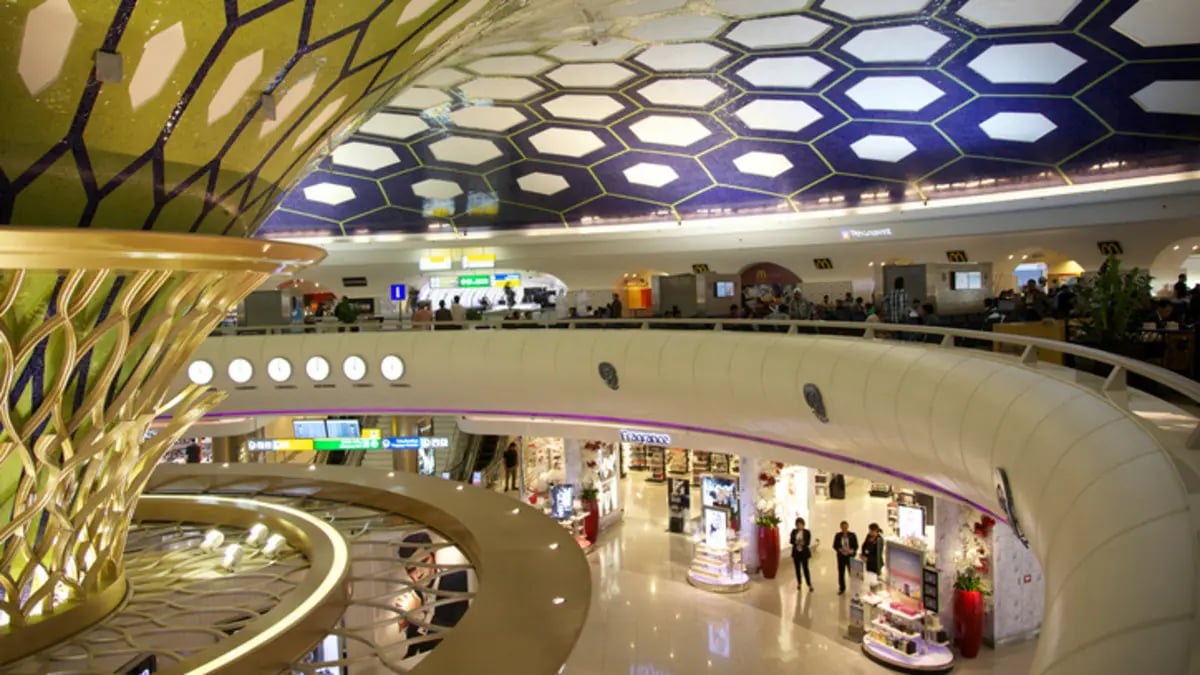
{"points": [[1110, 247], [823, 263], [956, 256]]}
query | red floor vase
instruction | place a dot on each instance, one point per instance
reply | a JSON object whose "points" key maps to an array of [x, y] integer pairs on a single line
{"points": [[591, 524], [768, 550], [968, 622]]}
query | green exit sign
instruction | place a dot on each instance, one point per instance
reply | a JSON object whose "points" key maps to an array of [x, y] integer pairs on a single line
{"points": [[347, 444], [475, 281]]}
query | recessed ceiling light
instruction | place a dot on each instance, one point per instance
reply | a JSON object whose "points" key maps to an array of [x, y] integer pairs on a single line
{"points": [[1010, 257], [559, 601], [1024, 257], [312, 467], [871, 264], [1176, 247], [554, 546], [516, 511]]}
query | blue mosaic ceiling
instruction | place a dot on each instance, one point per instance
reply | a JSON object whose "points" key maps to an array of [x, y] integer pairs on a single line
{"points": [[678, 109]]}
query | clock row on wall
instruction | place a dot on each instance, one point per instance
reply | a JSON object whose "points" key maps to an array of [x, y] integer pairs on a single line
{"points": [[280, 370]]}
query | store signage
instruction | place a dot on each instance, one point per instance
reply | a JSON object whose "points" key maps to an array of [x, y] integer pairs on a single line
{"points": [[823, 263], [371, 433], [699, 268], [867, 234], [1110, 247], [644, 437], [474, 281], [478, 261], [956, 256], [399, 292], [435, 263], [507, 279], [311, 444], [415, 443]]}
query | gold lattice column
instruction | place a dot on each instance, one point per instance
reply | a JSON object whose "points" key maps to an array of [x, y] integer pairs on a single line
{"points": [[94, 327]]}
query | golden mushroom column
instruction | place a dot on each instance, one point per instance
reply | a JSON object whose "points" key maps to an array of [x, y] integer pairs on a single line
{"points": [[94, 326]]}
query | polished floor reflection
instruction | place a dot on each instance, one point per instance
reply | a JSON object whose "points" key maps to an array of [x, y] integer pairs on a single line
{"points": [[646, 620]]}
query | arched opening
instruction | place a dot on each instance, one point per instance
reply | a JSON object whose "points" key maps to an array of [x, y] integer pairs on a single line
{"points": [[1178, 257]]}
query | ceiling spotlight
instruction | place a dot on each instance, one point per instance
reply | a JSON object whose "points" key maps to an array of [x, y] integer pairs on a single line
{"points": [[1024, 257], [516, 511], [1176, 247], [312, 467], [554, 546], [559, 600], [391, 474], [1010, 256], [1195, 247], [871, 264]]}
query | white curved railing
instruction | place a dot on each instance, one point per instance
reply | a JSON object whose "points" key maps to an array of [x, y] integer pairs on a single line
{"points": [[1101, 499]]}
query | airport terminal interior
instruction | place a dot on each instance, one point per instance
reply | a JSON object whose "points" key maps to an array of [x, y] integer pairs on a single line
{"points": [[600, 337]]}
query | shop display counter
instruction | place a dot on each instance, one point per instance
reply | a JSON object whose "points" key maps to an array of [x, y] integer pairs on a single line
{"points": [[718, 569]]}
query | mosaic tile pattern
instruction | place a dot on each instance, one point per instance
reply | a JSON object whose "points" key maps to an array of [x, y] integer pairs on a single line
{"points": [[186, 116], [692, 108]]}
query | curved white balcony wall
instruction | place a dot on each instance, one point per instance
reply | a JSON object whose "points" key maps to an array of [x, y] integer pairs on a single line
{"points": [[1101, 501]]}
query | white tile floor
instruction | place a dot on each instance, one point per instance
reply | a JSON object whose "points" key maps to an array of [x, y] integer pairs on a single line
{"points": [[646, 620]]}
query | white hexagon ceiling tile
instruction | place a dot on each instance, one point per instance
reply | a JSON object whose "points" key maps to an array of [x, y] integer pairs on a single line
{"points": [[784, 31], [1013, 13], [436, 188], [566, 142], [366, 156], [883, 148], [650, 174], [542, 183], [1019, 127], [890, 92], [682, 92], [1161, 23], [679, 132], [394, 125], [682, 56], [463, 150], [330, 194], [896, 93], [873, 9], [897, 44], [777, 115], [487, 118], [1172, 97], [785, 72], [588, 107], [500, 88], [765, 164], [1030, 63]]}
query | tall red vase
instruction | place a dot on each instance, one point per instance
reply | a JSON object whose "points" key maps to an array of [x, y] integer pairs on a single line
{"points": [[768, 550], [591, 524], [968, 622]]}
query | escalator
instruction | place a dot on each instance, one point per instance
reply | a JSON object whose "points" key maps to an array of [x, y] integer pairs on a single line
{"points": [[488, 449], [479, 453]]}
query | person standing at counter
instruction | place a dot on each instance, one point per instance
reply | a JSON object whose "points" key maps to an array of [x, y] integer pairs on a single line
{"points": [[872, 549], [845, 543], [801, 540]]}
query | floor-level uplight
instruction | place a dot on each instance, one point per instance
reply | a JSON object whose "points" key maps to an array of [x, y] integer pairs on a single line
{"points": [[233, 557], [212, 541]]}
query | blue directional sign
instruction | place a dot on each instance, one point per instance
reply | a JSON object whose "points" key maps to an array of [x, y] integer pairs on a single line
{"points": [[399, 292]]}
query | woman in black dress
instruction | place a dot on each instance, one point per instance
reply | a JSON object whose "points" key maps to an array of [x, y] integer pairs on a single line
{"points": [[801, 540]]}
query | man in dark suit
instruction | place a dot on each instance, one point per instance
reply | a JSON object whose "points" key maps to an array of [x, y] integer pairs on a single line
{"points": [[845, 543], [801, 541], [872, 549]]}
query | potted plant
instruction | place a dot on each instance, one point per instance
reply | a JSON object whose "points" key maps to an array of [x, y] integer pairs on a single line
{"points": [[345, 311], [591, 523], [768, 543], [968, 611], [1111, 306]]}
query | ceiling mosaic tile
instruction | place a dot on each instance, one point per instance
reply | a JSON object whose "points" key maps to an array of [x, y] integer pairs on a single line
{"points": [[434, 188], [768, 164], [896, 44], [1033, 63], [883, 148], [895, 93], [681, 92], [682, 56], [1016, 13], [652, 175], [872, 9], [49, 30], [602, 50], [394, 125], [1019, 127], [785, 72], [487, 118], [463, 150], [366, 156], [498, 88], [676, 28], [775, 32], [587, 107], [566, 142], [543, 183], [1174, 97], [591, 75], [1161, 23], [756, 7], [680, 132], [328, 193], [160, 55], [777, 115]]}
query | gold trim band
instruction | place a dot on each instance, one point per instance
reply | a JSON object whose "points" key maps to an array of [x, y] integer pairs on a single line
{"points": [[54, 248], [36, 636]]}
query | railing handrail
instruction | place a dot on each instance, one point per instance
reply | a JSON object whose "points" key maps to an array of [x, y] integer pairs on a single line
{"points": [[1173, 381]]}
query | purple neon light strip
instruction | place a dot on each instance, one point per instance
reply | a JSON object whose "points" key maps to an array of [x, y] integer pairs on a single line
{"points": [[626, 422]]}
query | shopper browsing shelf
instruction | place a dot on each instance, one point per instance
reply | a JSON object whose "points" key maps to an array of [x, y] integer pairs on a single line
{"points": [[845, 543], [872, 549], [801, 540]]}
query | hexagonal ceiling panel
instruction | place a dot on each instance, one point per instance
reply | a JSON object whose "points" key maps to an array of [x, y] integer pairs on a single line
{"points": [[664, 109]]}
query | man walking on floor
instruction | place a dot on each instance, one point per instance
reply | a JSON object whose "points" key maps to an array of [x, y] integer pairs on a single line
{"points": [[510, 467], [845, 543]]}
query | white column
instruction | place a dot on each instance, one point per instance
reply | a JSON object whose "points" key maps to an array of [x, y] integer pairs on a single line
{"points": [[572, 460], [747, 488], [948, 519]]}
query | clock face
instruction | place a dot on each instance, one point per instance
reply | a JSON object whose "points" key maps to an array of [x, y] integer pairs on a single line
{"points": [[279, 369], [200, 372], [354, 368], [317, 368], [240, 371], [392, 367]]}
